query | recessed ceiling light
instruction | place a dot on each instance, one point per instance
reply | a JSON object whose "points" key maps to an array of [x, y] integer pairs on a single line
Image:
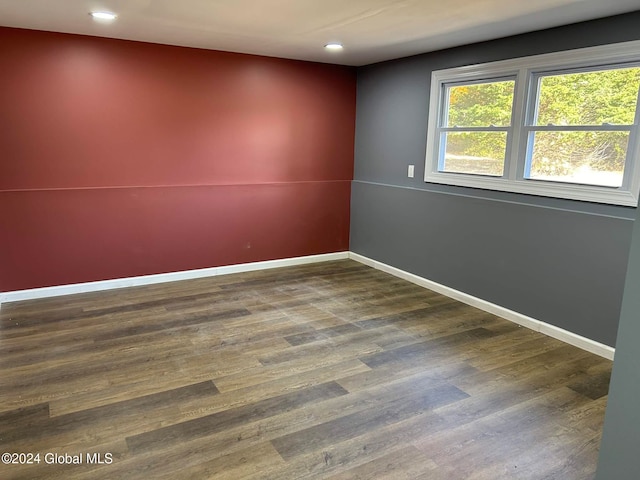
{"points": [[334, 46], [103, 15]]}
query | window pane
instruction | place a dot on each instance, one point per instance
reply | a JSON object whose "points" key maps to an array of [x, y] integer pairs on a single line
{"points": [[591, 98], [478, 153], [480, 105], [592, 158]]}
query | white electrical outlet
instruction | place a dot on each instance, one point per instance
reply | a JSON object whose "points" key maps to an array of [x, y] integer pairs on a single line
{"points": [[411, 171]]}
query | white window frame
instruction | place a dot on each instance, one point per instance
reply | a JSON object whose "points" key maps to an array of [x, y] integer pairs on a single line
{"points": [[526, 70]]}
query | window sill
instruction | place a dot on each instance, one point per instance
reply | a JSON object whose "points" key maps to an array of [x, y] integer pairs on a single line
{"points": [[585, 193]]}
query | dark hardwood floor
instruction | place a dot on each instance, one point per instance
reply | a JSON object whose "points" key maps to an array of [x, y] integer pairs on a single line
{"points": [[330, 370]]}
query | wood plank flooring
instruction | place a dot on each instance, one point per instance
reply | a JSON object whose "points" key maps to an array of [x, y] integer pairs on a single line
{"points": [[323, 371]]}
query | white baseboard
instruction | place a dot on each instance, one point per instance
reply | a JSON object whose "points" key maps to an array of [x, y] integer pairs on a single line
{"points": [[536, 325], [56, 291]]}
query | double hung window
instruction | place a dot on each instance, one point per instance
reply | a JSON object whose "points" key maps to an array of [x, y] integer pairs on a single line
{"points": [[562, 125]]}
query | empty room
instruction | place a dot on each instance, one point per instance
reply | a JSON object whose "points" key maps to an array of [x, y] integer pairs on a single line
{"points": [[289, 239]]}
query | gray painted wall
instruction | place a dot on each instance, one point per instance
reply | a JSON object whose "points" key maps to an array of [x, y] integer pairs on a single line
{"points": [[559, 261], [619, 448]]}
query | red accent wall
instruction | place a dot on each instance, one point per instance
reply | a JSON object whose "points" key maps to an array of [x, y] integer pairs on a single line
{"points": [[121, 158]]}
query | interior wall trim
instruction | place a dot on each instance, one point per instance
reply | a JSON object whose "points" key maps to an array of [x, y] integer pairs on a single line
{"points": [[563, 204], [59, 290], [537, 325]]}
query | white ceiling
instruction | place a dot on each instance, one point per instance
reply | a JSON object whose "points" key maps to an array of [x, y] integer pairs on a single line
{"points": [[371, 30]]}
